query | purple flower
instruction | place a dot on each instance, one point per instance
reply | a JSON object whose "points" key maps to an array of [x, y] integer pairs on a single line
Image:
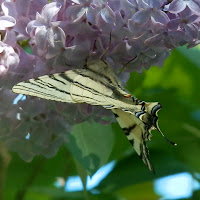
{"points": [[178, 6], [49, 38], [188, 23], [22, 16], [77, 12], [8, 58], [6, 22], [105, 11], [150, 10]]}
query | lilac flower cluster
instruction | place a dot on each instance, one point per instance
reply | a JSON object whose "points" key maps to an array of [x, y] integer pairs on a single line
{"points": [[62, 34]]}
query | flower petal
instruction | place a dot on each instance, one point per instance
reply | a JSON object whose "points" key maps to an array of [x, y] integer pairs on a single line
{"points": [[56, 40], [75, 13], [143, 4], [8, 9], [177, 6], [6, 21], [108, 15], [29, 27], [77, 1], [193, 19], [10, 38], [41, 39], [173, 24], [156, 4], [160, 16], [192, 31], [129, 6], [194, 6], [99, 3], [20, 9], [50, 10], [141, 16], [154, 40], [91, 15], [76, 55]]}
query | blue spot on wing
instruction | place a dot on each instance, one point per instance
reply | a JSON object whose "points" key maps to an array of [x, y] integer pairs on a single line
{"points": [[18, 98]]}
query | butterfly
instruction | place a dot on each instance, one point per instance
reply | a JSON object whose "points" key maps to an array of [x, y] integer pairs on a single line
{"points": [[97, 84]]}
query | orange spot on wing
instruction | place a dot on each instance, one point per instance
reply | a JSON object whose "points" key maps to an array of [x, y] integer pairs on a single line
{"points": [[128, 95]]}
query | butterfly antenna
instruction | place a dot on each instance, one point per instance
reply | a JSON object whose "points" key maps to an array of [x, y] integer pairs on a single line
{"points": [[120, 71], [172, 143], [106, 48], [90, 56]]}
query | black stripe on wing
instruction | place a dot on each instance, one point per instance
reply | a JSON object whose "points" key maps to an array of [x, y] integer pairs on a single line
{"points": [[25, 90], [48, 87], [145, 156], [129, 129]]}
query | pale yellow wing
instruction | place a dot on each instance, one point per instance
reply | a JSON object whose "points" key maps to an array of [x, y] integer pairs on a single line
{"points": [[95, 85], [135, 132], [52, 87]]}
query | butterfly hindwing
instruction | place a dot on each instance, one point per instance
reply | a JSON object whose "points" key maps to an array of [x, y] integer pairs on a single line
{"points": [[135, 132]]}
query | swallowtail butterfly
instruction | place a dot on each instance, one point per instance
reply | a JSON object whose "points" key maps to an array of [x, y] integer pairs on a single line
{"points": [[97, 84]]}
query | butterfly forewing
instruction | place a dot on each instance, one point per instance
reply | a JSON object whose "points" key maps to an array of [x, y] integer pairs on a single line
{"points": [[87, 89], [52, 87]]}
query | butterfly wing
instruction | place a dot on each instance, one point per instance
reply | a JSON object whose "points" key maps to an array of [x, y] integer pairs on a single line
{"points": [[52, 87], [135, 132], [101, 86], [88, 89], [79, 86]]}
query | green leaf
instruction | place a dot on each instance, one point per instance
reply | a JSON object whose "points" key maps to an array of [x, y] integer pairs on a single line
{"points": [[139, 191], [91, 144], [191, 54]]}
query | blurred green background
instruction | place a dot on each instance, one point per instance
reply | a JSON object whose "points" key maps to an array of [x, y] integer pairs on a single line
{"points": [[177, 87]]}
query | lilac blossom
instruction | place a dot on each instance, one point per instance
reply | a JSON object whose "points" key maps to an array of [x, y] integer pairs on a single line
{"points": [[6, 22], [9, 61], [83, 8], [62, 35], [178, 6]]}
